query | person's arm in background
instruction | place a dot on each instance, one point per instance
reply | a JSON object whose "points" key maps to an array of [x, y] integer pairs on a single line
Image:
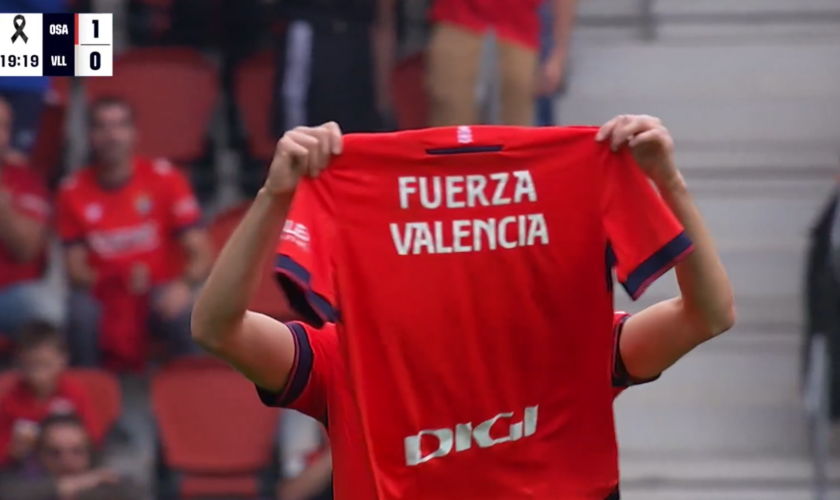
{"points": [[553, 70], [80, 273], [314, 479], [260, 347], [384, 39], [24, 237], [657, 337]]}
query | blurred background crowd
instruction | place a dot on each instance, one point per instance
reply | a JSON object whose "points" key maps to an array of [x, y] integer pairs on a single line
{"points": [[116, 193]]}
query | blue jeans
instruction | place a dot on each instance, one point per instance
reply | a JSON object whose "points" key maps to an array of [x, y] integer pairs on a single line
{"points": [[27, 301], [85, 312]]}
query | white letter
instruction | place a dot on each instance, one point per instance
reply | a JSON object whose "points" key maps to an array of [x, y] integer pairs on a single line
{"points": [[454, 185], [407, 186], [501, 178], [424, 193], [503, 241], [463, 437], [459, 233], [423, 238], [489, 228], [482, 432], [531, 420], [524, 186], [475, 190], [440, 245], [537, 229], [402, 243], [413, 453]]}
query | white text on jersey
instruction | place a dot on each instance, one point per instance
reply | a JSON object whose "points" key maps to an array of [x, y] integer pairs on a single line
{"points": [[461, 191], [462, 436]]}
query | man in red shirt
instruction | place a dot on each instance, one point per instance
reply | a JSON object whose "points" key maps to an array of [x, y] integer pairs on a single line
{"points": [[133, 245], [303, 367], [24, 214], [454, 56]]}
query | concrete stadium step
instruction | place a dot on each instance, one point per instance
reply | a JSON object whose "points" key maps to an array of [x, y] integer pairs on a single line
{"points": [[736, 396]]}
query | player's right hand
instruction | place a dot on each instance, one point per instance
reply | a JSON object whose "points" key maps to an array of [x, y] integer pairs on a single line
{"points": [[302, 151]]}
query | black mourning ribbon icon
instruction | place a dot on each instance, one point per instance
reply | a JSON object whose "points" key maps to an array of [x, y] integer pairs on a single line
{"points": [[20, 23]]}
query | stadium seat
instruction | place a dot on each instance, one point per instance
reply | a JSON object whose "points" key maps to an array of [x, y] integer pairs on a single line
{"points": [[174, 92], [216, 437], [103, 387], [253, 84], [50, 142], [269, 300]]}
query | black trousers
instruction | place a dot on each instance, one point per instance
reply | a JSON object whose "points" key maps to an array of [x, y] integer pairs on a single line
{"points": [[325, 72]]}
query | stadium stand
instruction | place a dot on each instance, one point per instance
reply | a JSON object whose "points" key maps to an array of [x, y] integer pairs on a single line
{"points": [[253, 89], [212, 444], [174, 92]]}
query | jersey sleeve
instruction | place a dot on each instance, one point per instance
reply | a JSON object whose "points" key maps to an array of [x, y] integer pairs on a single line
{"points": [[645, 238], [304, 257], [621, 379], [182, 208], [32, 200], [316, 351], [68, 223]]}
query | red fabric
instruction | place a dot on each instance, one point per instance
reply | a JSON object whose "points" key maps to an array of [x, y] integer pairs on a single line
{"points": [[411, 103], [513, 20], [471, 288], [136, 224], [29, 197], [20, 405]]}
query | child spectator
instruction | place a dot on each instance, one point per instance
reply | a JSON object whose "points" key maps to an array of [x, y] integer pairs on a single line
{"points": [[42, 390]]}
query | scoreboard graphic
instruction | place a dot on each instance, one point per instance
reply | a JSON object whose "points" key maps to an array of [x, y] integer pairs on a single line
{"points": [[56, 45]]}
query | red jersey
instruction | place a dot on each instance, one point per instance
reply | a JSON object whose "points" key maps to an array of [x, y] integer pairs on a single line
{"points": [[513, 20], [20, 407], [468, 269], [30, 198], [137, 222]]}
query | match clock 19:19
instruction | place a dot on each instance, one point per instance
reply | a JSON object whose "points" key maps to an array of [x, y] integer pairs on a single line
{"points": [[13, 61]]}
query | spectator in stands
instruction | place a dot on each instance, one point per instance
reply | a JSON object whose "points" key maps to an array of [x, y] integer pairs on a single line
{"points": [[330, 68], [135, 251], [42, 390], [456, 46], [24, 210], [26, 94], [63, 469], [306, 459]]}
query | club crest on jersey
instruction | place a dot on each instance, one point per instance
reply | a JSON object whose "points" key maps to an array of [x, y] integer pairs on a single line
{"points": [[93, 213], [143, 204]]}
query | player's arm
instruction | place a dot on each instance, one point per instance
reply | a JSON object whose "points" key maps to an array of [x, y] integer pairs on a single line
{"points": [[260, 347], [656, 338]]}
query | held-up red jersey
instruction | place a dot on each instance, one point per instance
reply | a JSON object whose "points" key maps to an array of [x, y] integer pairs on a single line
{"points": [[468, 270]]}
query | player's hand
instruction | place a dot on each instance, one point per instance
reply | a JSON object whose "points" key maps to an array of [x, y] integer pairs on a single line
{"points": [[551, 74], [303, 151], [648, 140]]}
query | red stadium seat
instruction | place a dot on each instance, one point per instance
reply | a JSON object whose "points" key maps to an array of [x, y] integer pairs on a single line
{"points": [[103, 387], [254, 82], [174, 92], [269, 300], [49, 144], [215, 434]]}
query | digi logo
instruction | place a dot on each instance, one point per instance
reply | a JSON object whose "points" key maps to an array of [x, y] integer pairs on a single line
{"points": [[297, 233]]}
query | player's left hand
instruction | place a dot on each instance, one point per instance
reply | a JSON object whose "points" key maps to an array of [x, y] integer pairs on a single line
{"points": [[648, 140], [550, 74], [174, 299]]}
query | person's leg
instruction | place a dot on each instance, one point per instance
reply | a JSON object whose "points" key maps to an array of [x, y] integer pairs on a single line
{"points": [[24, 302], [545, 104], [27, 107], [84, 314], [175, 330], [517, 71], [454, 58]]}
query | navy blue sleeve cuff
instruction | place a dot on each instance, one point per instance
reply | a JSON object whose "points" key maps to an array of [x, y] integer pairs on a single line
{"points": [[656, 265], [295, 281], [299, 376]]}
